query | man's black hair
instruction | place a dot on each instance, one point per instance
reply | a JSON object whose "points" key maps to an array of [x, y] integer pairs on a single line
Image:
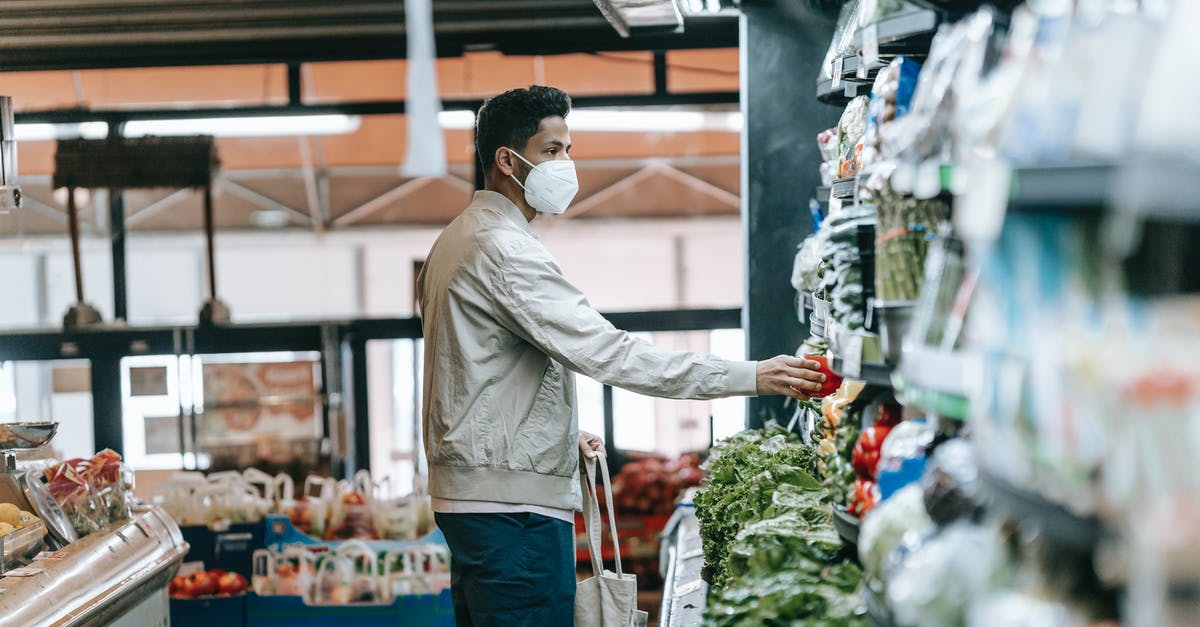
{"points": [[511, 118]]}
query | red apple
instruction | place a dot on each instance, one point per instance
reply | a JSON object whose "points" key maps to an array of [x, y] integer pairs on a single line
{"points": [[231, 583], [202, 584]]}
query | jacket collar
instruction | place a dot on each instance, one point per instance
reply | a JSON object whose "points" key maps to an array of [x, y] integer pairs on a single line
{"points": [[502, 205]]}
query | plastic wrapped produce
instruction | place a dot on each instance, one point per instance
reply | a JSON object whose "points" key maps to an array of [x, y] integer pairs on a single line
{"points": [[887, 526], [951, 483], [933, 583]]}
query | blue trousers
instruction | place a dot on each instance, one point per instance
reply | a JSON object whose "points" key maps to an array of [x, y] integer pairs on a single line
{"points": [[510, 570]]}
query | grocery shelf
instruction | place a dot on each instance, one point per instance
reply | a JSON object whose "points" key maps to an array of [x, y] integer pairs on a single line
{"points": [[823, 194], [843, 93], [1061, 526], [938, 403], [962, 7], [935, 380], [911, 28], [846, 524], [1158, 190], [877, 374]]}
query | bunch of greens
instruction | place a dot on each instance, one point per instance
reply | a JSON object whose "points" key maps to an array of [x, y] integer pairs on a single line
{"points": [[771, 553], [743, 472]]}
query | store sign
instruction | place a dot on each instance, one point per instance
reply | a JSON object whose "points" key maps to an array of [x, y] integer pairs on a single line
{"points": [[245, 400], [148, 381]]}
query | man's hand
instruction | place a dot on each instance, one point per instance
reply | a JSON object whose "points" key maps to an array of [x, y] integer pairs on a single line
{"points": [[589, 442], [790, 376]]}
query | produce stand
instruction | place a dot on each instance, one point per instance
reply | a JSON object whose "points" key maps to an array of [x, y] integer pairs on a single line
{"points": [[116, 576]]}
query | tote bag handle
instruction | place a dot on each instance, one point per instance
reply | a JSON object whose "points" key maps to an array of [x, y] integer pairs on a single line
{"points": [[591, 512]]}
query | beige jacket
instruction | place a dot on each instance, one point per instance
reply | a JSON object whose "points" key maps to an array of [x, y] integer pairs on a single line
{"points": [[503, 331]]}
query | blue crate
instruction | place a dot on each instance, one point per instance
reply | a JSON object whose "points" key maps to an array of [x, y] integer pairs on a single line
{"points": [[209, 611], [422, 610], [230, 550]]}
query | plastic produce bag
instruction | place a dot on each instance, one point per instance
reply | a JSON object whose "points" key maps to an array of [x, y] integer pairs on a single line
{"points": [[887, 525], [931, 586], [348, 576], [351, 516], [951, 484]]}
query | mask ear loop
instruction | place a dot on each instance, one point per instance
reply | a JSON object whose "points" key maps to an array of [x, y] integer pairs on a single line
{"points": [[514, 176]]}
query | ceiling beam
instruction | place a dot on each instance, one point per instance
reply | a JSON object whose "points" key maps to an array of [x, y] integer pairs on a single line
{"points": [[262, 200], [157, 207], [383, 200]]}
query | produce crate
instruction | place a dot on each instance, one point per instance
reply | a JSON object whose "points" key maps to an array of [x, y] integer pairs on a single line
{"points": [[420, 610], [229, 550], [206, 612]]}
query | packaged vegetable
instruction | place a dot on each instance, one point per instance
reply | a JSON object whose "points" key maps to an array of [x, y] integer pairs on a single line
{"points": [[887, 525]]}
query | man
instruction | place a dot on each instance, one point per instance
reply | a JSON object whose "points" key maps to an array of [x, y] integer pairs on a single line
{"points": [[503, 332]]}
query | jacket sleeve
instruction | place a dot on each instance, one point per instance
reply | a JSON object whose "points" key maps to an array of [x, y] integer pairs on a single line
{"points": [[536, 302]]}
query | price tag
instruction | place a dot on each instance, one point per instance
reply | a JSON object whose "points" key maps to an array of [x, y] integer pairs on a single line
{"points": [[852, 356], [836, 72], [50, 555], [864, 69], [870, 47], [25, 571]]}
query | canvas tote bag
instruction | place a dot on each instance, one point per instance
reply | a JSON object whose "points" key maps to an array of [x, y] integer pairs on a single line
{"points": [[606, 599]]}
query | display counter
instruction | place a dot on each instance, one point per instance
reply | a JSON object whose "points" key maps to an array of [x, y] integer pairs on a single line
{"points": [[116, 576], [684, 591]]}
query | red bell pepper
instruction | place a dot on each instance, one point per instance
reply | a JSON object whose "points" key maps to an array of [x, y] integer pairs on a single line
{"points": [[833, 381], [867, 450]]}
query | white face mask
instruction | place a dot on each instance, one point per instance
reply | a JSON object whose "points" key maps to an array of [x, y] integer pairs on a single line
{"points": [[550, 186]]}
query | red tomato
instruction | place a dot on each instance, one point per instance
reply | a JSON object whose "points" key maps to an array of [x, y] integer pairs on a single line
{"points": [[833, 381]]}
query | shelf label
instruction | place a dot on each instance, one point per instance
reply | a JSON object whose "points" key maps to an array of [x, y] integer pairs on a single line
{"points": [[836, 72], [852, 356], [50, 555], [870, 48]]}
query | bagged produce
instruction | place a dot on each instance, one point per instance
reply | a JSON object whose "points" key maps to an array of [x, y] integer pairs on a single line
{"points": [[92, 492]]}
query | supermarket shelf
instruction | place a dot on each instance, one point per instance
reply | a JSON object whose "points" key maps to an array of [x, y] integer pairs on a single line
{"points": [[1159, 191], [907, 30], [962, 7], [935, 381], [823, 194], [843, 93], [846, 524], [842, 188], [1062, 527], [877, 374]]}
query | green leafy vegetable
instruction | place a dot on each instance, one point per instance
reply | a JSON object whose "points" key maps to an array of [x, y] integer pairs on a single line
{"points": [[771, 554]]}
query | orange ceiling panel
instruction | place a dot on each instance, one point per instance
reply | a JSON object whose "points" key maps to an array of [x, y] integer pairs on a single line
{"points": [[610, 73], [33, 91], [225, 84], [597, 145], [354, 81], [483, 74], [702, 70]]}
